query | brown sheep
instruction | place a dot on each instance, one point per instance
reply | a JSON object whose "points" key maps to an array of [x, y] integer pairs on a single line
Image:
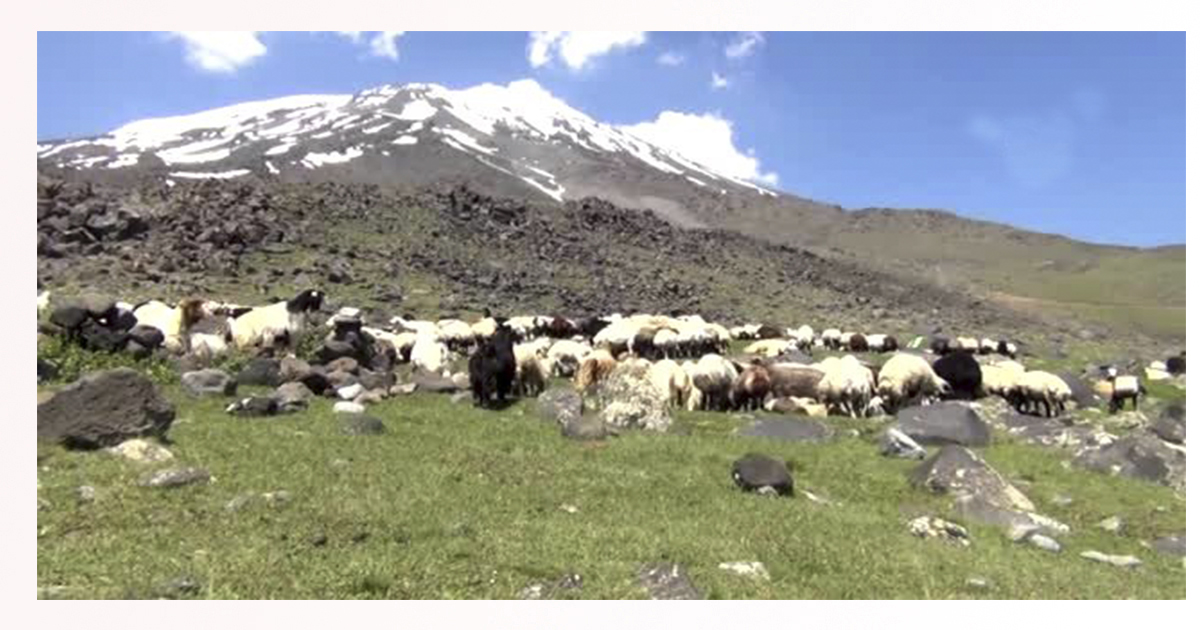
{"points": [[751, 388], [794, 380]]}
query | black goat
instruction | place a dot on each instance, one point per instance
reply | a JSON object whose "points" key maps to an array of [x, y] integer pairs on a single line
{"points": [[493, 367]]}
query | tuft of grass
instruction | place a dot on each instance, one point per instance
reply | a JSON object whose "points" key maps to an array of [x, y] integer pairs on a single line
{"points": [[73, 361], [460, 503]]}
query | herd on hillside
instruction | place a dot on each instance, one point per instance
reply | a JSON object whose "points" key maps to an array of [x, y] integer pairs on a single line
{"points": [[684, 357]]}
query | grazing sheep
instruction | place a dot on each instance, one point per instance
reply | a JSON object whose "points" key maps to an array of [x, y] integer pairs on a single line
{"points": [[962, 372], [1036, 390], [402, 343], [492, 368], [789, 380], [988, 346], [561, 328], [858, 343], [847, 386], [174, 323], [456, 334], [666, 343], [533, 367], [1177, 365], [642, 343], [429, 354], [566, 356], [969, 344], [768, 331], [831, 338], [999, 380], [1007, 348], [771, 347], [803, 336], [746, 332], [484, 328], [265, 326], [407, 324], [940, 346], [596, 367], [672, 382], [713, 376], [751, 388], [906, 377], [1124, 387], [882, 343]]}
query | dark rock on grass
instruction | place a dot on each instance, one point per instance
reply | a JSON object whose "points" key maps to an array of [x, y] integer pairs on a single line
{"points": [[179, 588], [105, 409], [944, 423], [1174, 545], [560, 406], [754, 472], [434, 383], [668, 581], [292, 397], [332, 350], [894, 443], [1084, 397], [959, 471], [340, 380], [69, 318], [147, 336], [261, 373], [46, 371], [1138, 455], [175, 478], [97, 306], [343, 364], [254, 407], [209, 383], [1171, 425], [316, 382], [357, 424], [371, 380], [787, 429], [293, 370], [1019, 524]]}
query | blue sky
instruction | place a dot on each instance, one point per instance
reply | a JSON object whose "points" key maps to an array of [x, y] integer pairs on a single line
{"points": [[1073, 133]]}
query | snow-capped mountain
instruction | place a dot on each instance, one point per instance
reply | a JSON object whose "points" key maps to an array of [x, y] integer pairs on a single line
{"points": [[518, 137]]}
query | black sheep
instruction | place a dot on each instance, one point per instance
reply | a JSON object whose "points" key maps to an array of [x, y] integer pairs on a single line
{"points": [[493, 367], [768, 331], [561, 328], [940, 346], [1177, 365], [858, 343], [890, 344], [962, 372], [592, 325]]}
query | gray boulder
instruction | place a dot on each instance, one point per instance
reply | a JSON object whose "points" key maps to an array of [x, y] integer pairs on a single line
{"points": [[894, 443], [668, 581], [1080, 391], [343, 364], [560, 406], [944, 423], [1174, 545], [787, 429], [376, 380], [1138, 455], [260, 372], [147, 337], [293, 370], [175, 478], [755, 471], [292, 397], [209, 383], [1171, 425], [1019, 524], [960, 472], [586, 428], [104, 409]]}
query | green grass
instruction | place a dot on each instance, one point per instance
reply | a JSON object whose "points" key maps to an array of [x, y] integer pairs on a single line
{"points": [[456, 502]]}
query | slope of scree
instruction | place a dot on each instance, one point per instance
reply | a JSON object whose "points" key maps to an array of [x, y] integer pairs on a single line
{"points": [[450, 250]]}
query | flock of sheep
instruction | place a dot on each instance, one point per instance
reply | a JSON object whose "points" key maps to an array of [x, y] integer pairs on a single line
{"points": [[684, 358]]}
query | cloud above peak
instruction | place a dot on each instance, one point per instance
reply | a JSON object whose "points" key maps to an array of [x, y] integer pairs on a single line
{"points": [[577, 49], [220, 52], [707, 139], [381, 44]]}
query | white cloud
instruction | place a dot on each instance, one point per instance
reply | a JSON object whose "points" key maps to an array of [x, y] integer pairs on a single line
{"points": [[220, 51], [671, 58], [354, 36], [719, 82], [578, 48], [1035, 150], [744, 44], [381, 43], [706, 139]]}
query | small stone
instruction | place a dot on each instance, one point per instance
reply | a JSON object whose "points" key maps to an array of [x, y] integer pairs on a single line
{"points": [[85, 494], [142, 451], [318, 540], [238, 502], [1112, 524], [1044, 542], [179, 587], [978, 583], [533, 592], [895, 443], [1061, 500], [933, 527], [277, 498], [176, 478], [363, 425], [403, 390], [1117, 561], [348, 407], [350, 392], [668, 581], [569, 509], [752, 570]]}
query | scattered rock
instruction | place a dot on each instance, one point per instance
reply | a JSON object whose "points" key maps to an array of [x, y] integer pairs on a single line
{"points": [[433, 383], [403, 390], [1171, 425], [1112, 524], [1084, 397], [1117, 561], [358, 424], [1018, 523], [944, 423], [318, 540], [376, 380], [261, 373], [978, 583], [787, 429], [146, 336], [46, 371], [209, 383], [292, 397], [348, 407], [1043, 542], [560, 406], [105, 409], [533, 592], [343, 364], [569, 509], [752, 570], [933, 527], [177, 588], [668, 581], [175, 478], [85, 494], [351, 392], [254, 407], [1061, 500], [139, 450], [959, 471], [629, 400], [461, 397], [1174, 545], [755, 471], [1138, 455], [586, 428], [895, 443], [461, 380], [293, 370]]}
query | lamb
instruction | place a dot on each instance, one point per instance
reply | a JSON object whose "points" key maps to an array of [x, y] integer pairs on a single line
{"points": [[533, 369], [266, 325], [751, 388], [906, 377], [746, 332], [596, 367], [1041, 389], [566, 356], [492, 368], [429, 354], [1124, 387], [962, 372], [713, 376], [882, 343], [174, 323], [771, 347], [847, 386], [672, 382]]}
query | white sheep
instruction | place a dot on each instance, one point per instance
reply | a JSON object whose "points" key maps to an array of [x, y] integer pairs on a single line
{"points": [[1124, 387], [566, 356], [484, 328], [173, 322], [713, 376], [1000, 380], [666, 341], [745, 332], [672, 382], [988, 346], [402, 343], [905, 377], [1041, 389], [400, 324], [771, 347], [847, 386], [831, 338], [969, 344], [429, 354], [264, 325], [455, 333], [803, 336]]}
